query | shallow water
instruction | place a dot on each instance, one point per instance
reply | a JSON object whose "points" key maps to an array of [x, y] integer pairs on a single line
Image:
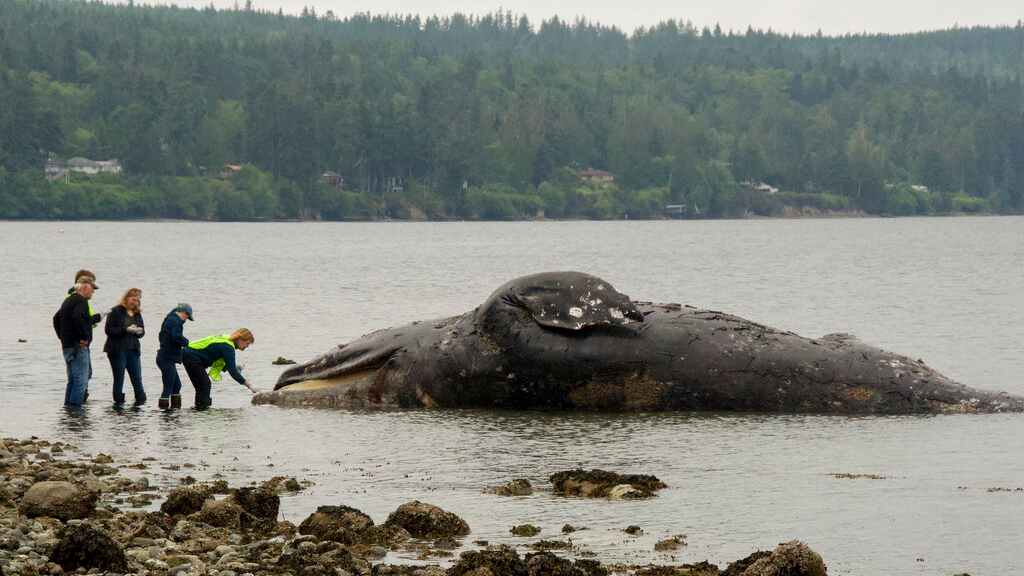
{"points": [[948, 291]]}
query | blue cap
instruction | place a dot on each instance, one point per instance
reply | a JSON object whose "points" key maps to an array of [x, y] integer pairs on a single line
{"points": [[187, 309]]}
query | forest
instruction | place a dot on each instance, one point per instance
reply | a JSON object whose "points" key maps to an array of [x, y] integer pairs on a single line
{"points": [[251, 115]]}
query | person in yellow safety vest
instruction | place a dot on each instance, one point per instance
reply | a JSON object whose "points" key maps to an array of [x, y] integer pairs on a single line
{"points": [[216, 353]]}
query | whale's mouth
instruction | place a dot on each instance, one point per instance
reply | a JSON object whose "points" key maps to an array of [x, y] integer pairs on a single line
{"points": [[330, 382]]}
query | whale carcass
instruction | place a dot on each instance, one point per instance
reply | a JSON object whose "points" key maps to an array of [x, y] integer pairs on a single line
{"points": [[570, 341]]}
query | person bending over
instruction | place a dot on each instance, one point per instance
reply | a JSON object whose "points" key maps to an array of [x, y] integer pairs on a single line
{"points": [[216, 353]]}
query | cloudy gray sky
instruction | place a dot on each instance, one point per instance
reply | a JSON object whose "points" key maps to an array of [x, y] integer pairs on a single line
{"points": [[802, 16]]}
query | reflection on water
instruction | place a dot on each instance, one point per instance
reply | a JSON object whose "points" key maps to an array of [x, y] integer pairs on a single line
{"points": [[737, 482]]}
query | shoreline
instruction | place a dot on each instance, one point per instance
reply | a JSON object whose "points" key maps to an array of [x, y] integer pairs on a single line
{"points": [[62, 511]]}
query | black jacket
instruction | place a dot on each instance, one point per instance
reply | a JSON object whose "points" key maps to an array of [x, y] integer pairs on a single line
{"points": [[117, 337], [73, 322]]}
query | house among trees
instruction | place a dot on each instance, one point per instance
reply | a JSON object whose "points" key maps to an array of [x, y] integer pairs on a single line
{"points": [[759, 186], [592, 175], [334, 179], [58, 170], [228, 171]]}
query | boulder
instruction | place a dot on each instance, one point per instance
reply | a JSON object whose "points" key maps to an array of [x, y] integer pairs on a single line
{"points": [[263, 503], [603, 484], [793, 558], [338, 523], [427, 521], [185, 500], [61, 500], [517, 487], [220, 513], [498, 561], [82, 546], [547, 564]]}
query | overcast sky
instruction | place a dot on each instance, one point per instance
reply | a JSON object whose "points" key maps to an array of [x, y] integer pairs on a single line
{"points": [[802, 16]]}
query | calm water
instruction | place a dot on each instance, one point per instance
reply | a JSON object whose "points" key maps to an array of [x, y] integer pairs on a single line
{"points": [[948, 291]]}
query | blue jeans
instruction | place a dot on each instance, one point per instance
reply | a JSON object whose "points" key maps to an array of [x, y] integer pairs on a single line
{"points": [[79, 371], [169, 375], [127, 360]]}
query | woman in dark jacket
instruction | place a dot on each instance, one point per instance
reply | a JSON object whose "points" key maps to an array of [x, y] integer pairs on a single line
{"points": [[124, 328]]}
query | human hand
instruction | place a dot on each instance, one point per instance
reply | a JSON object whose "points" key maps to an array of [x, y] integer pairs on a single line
{"points": [[105, 313]]}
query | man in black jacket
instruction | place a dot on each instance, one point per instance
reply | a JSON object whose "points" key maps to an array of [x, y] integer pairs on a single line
{"points": [[73, 323]]}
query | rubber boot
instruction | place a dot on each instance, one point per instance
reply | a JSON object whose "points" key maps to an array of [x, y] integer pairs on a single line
{"points": [[140, 399], [175, 400], [164, 403], [118, 398]]}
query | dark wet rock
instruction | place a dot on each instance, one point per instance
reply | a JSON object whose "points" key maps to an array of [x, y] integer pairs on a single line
{"points": [[738, 567], [568, 529], [704, 568], [82, 546], [793, 558], [525, 530], [547, 564], [282, 361], [220, 513], [281, 484], [261, 502], [154, 525], [603, 484], [674, 543], [62, 500], [518, 487], [591, 567], [427, 521], [633, 530], [338, 523], [316, 561], [390, 570], [498, 561], [185, 500]]}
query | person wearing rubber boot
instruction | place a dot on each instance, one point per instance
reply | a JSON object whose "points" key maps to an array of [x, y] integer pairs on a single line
{"points": [[216, 353], [172, 341], [124, 329]]}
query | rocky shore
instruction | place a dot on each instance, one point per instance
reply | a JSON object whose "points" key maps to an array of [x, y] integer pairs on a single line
{"points": [[62, 512]]}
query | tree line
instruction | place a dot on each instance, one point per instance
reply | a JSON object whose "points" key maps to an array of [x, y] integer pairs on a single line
{"points": [[493, 117]]}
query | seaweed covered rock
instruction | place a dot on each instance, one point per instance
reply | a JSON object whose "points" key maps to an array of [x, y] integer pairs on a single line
{"points": [[517, 487], [338, 523], [427, 521], [220, 513], [82, 546], [186, 500], [263, 503], [324, 559], [603, 484], [498, 561], [62, 500], [793, 558], [547, 564]]}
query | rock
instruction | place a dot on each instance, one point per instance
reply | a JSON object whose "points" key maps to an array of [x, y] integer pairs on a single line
{"points": [[673, 543], [603, 484], [337, 523], [517, 487], [281, 361], [793, 558], [261, 502], [427, 521], [62, 500], [185, 500], [525, 530], [547, 564], [220, 513], [498, 561], [82, 546]]}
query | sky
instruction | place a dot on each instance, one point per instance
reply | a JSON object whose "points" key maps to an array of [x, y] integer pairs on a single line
{"points": [[800, 16]]}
